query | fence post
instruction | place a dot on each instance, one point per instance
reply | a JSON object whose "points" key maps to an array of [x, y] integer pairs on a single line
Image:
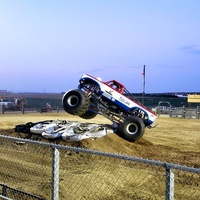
{"points": [[2, 109], [23, 109], [183, 114], [158, 111], [55, 174], [198, 112], [170, 111], [169, 184]]}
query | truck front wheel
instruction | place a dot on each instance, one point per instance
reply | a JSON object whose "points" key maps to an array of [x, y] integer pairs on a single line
{"points": [[75, 102], [132, 128]]}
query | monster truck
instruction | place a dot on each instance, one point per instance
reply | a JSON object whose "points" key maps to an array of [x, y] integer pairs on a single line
{"points": [[112, 100]]}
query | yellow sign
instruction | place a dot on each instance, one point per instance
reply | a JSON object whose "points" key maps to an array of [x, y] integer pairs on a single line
{"points": [[194, 98]]}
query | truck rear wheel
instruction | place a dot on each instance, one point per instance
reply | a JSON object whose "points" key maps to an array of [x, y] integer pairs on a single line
{"points": [[89, 114], [75, 102], [132, 128]]}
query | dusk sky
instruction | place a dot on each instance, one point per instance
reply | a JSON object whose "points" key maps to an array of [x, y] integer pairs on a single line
{"points": [[46, 45]]}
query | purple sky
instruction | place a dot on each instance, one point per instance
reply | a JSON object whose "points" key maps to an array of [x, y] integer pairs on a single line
{"points": [[45, 46]]}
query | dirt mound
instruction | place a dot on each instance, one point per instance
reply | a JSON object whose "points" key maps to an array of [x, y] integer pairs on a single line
{"points": [[173, 140]]}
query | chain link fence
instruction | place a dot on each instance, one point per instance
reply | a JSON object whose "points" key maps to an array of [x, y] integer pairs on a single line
{"points": [[38, 170]]}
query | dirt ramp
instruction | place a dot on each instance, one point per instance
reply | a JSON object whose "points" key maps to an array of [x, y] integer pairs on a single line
{"points": [[112, 143]]}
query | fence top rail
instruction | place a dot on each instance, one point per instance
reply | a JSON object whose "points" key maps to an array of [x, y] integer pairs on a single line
{"points": [[21, 192], [106, 154], [5, 198]]}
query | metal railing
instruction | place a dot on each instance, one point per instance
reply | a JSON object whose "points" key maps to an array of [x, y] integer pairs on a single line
{"points": [[180, 112], [51, 171], [25, 110], [184, 112]]}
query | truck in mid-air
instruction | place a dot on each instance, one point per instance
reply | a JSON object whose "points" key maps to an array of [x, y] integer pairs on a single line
{"points": [[112, 100]]}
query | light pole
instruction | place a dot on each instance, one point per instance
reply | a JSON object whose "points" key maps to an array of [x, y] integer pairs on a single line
{"points": [[143, 93]]}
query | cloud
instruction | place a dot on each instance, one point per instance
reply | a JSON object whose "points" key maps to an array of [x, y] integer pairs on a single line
{"points": [[188, 47], [135, 67], [165, 66], [195, 51], [93, 70], [192, 49]]}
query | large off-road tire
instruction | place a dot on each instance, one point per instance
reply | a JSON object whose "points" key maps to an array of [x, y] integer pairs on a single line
{"points": [[75, 102], [91, 112], [132, 128], [88, 115]]}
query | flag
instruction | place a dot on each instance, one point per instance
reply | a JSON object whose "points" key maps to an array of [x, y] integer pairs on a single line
{"points": [[143, 72]]}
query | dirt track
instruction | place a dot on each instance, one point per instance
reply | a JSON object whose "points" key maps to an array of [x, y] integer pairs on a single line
{"points": [[173, 140]]}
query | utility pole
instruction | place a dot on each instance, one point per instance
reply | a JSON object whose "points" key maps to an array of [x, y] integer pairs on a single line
{"points": [[143, 93]]}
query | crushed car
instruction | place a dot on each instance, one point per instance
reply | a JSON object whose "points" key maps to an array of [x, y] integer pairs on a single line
{"points": [[69, 131]]}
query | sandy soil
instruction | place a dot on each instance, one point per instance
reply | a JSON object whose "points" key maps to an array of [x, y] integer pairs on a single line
{"points": [[173, 140]]}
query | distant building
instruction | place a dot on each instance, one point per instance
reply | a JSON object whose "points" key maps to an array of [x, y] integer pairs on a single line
{"points": [[193, 98]]}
